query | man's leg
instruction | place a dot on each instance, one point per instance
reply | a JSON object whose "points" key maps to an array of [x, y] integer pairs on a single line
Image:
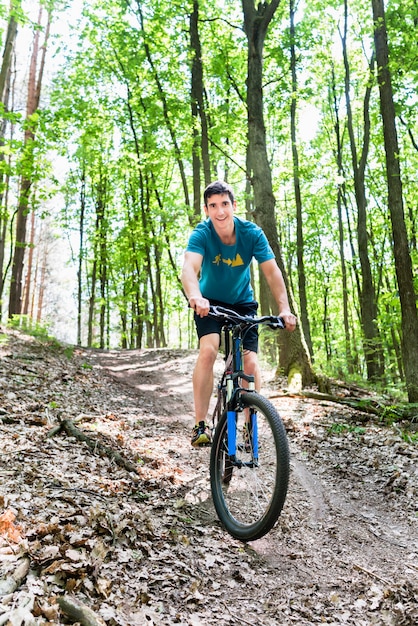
{"points": [[252, 368], [203, 375]]}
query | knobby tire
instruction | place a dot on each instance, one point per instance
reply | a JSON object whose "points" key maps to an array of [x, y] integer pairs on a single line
{"points": [[249, 500]]}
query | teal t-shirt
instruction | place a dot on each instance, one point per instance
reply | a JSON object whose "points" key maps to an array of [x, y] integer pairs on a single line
{"points": [[225, 273]]}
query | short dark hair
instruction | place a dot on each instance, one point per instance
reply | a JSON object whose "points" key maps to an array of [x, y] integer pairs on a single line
{"points": [[218, 187]]}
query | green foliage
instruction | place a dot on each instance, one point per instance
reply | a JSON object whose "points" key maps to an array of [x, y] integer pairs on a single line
{"points": [[26, 325], [409, 437], [119, 111], [400, 412], [340, 428], [30, 327]]}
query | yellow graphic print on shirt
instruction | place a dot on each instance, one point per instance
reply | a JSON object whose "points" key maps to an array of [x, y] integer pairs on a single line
{"points": [[231, 262]]}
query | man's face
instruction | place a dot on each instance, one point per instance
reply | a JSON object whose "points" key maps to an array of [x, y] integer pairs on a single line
{"points": [[220, 209]]}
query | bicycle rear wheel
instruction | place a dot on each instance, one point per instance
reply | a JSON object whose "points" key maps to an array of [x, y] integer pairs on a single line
{"points": [[250, 501]]}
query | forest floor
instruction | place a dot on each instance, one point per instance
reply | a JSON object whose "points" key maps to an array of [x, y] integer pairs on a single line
{"points": [[84, 540]]}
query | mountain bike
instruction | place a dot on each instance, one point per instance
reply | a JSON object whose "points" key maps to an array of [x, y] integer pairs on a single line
{"points": [[249, 461]]}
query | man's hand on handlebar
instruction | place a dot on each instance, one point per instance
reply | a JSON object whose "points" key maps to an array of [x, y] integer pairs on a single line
{"points": [[289, 320], [200, 305]]}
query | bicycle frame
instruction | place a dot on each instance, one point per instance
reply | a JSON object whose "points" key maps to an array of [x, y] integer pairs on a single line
{"points": [[230, 387], [233, 378], [249, 469]]}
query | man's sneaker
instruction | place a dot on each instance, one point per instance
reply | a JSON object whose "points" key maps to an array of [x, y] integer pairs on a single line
{"points": [[201, 435]]}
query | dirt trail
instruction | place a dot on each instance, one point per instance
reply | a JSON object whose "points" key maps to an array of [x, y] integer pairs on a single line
{"points": [[148, 549], [346, 547]]}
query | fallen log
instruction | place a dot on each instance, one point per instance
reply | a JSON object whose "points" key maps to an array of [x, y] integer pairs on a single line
{"points": [[13, 582], [367, 405], [79, 612], [385, 411]]}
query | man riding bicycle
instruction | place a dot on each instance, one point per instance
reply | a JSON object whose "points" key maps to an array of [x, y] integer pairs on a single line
{"points": [[216, 270]]}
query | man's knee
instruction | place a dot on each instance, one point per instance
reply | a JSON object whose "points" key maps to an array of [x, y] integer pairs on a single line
{"points": [[208, 349], [250, 361]]}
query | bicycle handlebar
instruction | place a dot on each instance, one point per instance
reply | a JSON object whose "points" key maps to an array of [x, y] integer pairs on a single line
{"points": [[232, 317]]}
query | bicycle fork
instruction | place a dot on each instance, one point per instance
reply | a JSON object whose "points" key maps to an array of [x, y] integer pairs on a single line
{"points": [[232, 416]]}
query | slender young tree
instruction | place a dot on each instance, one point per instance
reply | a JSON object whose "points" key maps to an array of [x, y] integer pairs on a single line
{"points": [[368, 301], [164, 104], [36, 70], [303, 300], [403, 263], [200, 150], [334, 105], [8, 49], [5, 75], [81, 237]]}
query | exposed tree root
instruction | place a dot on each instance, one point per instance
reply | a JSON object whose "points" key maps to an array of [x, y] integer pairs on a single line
{"points": [[94, 445]]}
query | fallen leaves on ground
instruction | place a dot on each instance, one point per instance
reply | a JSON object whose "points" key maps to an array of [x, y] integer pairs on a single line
{"points": [[78, 532]]}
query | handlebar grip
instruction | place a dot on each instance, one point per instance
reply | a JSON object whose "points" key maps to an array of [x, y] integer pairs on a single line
{"points": [[279, 324]]}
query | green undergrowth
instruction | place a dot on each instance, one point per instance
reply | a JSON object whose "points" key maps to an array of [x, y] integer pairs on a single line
{"points": [[29, 327]]}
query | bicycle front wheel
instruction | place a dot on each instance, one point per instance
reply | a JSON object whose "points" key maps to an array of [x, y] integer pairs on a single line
{"points": [[250, 501]]}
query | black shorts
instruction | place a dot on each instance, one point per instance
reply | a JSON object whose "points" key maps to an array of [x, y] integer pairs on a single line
{"points": [[208, 325]]}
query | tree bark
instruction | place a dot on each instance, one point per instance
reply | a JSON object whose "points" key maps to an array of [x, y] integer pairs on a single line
{"points": [[196, 77], [28, 278], [81, 233], [292, 346], [165, 108], [403, 262]]}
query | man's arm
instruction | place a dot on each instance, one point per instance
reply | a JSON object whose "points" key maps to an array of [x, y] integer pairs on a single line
{"points": [[189, 279], [274, 278]]}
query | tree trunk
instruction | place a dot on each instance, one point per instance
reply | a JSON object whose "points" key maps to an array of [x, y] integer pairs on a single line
{"points": [[28, 278], [92, 301], [7, 55], [340, 198], [101, 234], [200, 139], [34, 92], [368, 307], [303, 300], [196, 76], [293, 349], [81, 251], [15, 294], [5, 73], [403, 263]]}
